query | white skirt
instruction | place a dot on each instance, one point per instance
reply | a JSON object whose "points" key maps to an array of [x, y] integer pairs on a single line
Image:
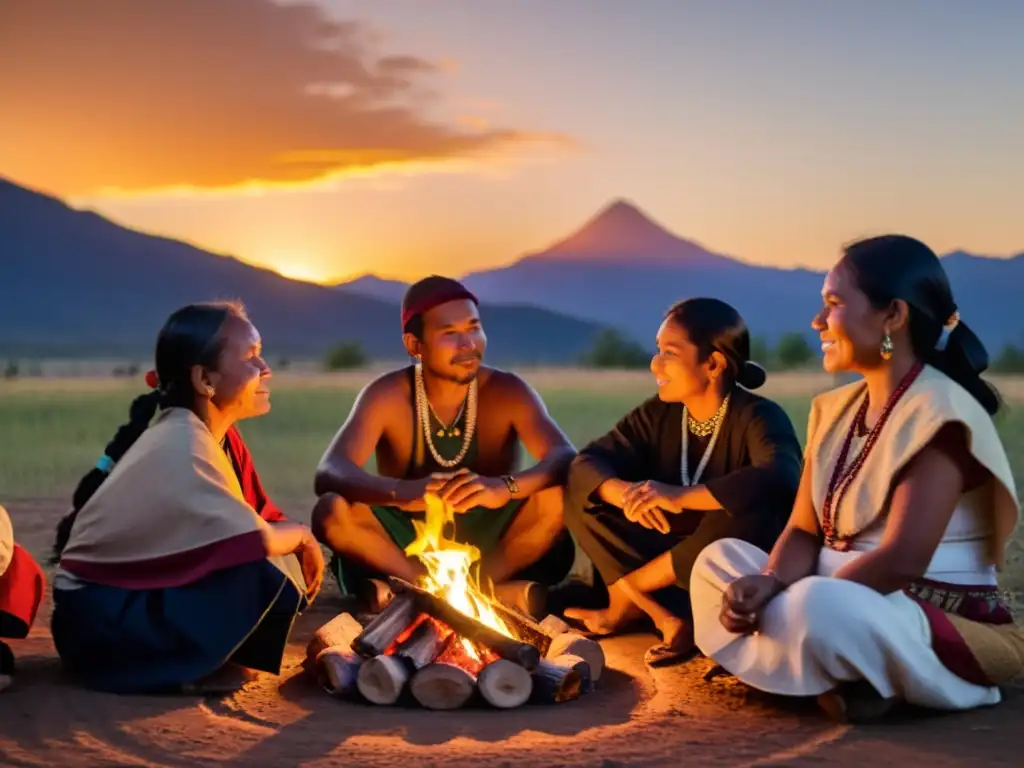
{"points": [[821, 632]]}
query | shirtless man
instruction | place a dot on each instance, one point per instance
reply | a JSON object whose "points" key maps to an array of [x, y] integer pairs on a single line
{"points": [[475, 417]]}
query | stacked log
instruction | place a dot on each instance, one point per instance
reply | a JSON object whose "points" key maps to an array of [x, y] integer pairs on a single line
{"points": [[523, 654], [504, 684], [421, 647], [385, 629], [573, 644], [330, 659], [450, 681], [383, 678]]}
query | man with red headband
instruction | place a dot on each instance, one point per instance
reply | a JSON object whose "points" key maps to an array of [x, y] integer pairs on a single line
{"points": [[22, 584], [448, 425]]}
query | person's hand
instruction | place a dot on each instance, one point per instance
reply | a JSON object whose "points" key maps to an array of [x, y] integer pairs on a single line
{"points": [[744, 601], [409, 493], [648, 501], [465, 489], [311, 559]]}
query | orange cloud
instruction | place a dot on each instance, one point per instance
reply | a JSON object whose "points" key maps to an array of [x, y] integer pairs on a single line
{"points": [[142, 95]]}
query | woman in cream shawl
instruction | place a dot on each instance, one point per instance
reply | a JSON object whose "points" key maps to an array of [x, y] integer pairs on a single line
{"points": [[175, 570], [883, 586]]}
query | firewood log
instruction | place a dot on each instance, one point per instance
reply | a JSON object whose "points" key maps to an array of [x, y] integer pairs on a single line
{"points": [[424, 644], [376, 594], [442, 686], [388, 674], [554, 626], [339, 631], [338, 670], [523, 627], [382, 679], [388, 625], [576, 645], [556, 680], [523, 654], [505, 684], [580, 666]]}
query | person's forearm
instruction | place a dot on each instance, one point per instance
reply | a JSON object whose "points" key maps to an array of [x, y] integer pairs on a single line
{"points": [[284, 538], [550, 471], [881, 570], [794, 556], [612, 490], [355, 484], [588, 472], [699, 499]]}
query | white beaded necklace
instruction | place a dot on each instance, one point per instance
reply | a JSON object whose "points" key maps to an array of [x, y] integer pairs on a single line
{"points": [[684, 459], [424, 409]]}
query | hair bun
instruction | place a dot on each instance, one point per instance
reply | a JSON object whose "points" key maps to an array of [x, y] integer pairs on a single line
{"points": [[751, 375]]}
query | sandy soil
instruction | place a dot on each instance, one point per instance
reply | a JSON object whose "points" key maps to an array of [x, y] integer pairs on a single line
{"points": [[635, 718]]}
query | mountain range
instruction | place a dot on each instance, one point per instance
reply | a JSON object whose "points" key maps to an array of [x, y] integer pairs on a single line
{"points": [[623, 269], [73, 283]]}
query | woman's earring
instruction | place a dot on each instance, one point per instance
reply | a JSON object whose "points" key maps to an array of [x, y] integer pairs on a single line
{"points": [[887, 347]]}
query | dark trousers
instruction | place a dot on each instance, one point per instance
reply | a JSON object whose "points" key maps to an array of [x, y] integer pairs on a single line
{"points": [[617, 546]]}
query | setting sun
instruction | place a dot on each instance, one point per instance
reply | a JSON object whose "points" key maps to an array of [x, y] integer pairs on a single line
{"points": [[297, 270]]}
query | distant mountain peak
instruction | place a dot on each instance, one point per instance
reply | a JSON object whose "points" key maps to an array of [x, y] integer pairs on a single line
{"points": [[370, 284], [621, 230], [619, 227], [623, 210]]}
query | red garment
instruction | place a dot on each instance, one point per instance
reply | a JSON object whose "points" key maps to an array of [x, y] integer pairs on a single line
{"points": [[22, 587], [252, 489]]}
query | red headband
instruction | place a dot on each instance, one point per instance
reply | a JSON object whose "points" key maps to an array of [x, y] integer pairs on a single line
{"points": [[427, 303]]}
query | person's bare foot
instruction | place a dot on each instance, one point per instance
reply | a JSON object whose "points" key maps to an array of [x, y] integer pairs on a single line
{"points": [[677, 643], [621, 612], [597, 621], [856, 702]]}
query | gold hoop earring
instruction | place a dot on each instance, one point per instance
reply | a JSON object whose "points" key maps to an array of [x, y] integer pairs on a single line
{"points": [[887, 347]]}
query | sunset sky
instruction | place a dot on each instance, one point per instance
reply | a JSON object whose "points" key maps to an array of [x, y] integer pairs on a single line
{"points": [[327, 139]]}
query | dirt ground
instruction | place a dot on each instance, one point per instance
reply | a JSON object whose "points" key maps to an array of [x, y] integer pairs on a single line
{"points": [[636, 717]]}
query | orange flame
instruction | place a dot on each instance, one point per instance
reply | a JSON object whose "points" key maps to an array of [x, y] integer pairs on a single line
{"points": [[448, 564]]}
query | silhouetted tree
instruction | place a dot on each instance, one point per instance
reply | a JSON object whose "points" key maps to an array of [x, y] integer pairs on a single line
{"points": [[346, 356], [760, 352], [1010, 360], [613, 350], [793, 351]]}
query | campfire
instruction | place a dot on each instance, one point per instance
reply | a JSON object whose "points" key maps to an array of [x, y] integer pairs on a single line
{"points": [[443, 640]]}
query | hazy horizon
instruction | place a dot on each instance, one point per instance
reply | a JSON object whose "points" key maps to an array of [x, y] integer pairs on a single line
{"points": [[331, 139]]}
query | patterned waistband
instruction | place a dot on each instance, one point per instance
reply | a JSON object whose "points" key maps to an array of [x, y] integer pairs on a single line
{"points": [[977, 603]]}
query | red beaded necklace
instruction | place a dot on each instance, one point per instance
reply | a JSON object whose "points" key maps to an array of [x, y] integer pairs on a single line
{"points": [[842, 478]]}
